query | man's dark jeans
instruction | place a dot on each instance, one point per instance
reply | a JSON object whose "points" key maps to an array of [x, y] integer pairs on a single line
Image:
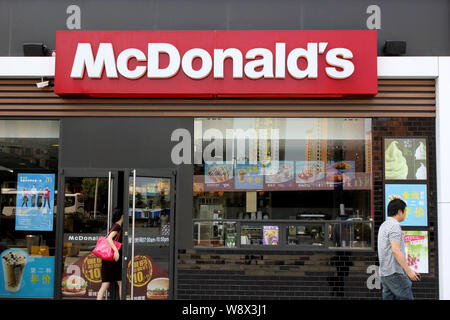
{"points": [[396, 287]]}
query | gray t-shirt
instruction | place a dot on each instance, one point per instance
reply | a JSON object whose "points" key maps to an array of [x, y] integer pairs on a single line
{"points": [[390, 230]]}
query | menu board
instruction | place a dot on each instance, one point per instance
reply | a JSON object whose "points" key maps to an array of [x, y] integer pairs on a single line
{"points": [[416, 246], [219, 176], [26, 276], [279, 175], [35, 202], [405, 159], [310, 174], [415, 196], [83, 279], [270, 235], [248, 176]]}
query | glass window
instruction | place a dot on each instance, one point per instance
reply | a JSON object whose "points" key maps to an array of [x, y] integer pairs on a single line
{"points": [[28, 173], [308, 178]]}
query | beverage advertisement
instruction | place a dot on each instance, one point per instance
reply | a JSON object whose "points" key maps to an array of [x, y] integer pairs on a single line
{"points": [[310, 174], [415, 196], [405, 159], [26, 276], [248, 176], [35, 202], [219, 176], [270, 235], [82, 279], [416, 245], [279, 175]]}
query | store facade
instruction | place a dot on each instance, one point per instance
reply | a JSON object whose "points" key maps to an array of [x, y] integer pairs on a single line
{"points": [[233, 190]]}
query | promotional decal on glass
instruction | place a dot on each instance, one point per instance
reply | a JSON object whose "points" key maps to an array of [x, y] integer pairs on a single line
{"points": [[249, 176], [35, 202], [279, 175], [83, 278], [340, 173], [25, 275], [310, 174], [218, 176], [415, 196]]}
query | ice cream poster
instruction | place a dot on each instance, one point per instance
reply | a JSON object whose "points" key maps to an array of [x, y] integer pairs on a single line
{"points": [[249, 176], [219, 176], [35, 202], [26, 276], [405, 159], [271, 235], [416, 246], [279, 175], [415, 196]]}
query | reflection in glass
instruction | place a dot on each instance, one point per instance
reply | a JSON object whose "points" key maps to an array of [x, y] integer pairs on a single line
{"points": [[150, 268], [301, 169], [85, 219], [27, 146]]}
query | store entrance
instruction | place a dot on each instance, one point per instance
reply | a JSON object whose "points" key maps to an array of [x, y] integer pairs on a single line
{"points": [[146, 197]]}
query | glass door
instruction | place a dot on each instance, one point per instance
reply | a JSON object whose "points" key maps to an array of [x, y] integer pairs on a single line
{"points": [[87, 202], [149, 233]]}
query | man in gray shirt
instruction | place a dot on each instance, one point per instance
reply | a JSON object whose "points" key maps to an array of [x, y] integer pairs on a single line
{"points": [[395, 274]]}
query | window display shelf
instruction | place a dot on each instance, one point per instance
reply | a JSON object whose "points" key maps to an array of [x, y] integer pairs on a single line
{"points": [[287, 234]]}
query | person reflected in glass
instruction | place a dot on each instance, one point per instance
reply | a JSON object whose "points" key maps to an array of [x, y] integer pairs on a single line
{"points": [[112, 270]]}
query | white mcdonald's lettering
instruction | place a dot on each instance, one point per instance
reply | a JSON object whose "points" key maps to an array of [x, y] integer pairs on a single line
{"points": [[259, 62]]}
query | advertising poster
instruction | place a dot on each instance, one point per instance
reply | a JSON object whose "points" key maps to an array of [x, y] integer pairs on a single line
{"points": [[26, 276], [340, 173], [270, 235], [248, 176], [310, 174], [83, 278], [35, 202], [219, 176], [416, 245], [405, 159], [279, 175], [415, 196]]}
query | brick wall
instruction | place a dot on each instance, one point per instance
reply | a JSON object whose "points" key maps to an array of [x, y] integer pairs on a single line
{"points": [[246, 274]]}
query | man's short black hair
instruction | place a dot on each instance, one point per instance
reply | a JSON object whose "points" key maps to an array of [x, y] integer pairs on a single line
{"points": [[395, 205]]}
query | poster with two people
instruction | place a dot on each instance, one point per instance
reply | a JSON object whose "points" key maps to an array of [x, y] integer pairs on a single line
{"points": [[35, 202]]}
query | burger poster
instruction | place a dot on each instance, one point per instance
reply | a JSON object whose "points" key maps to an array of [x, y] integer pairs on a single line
{"points": [[82, 279], [150, 280], [416, 246]]}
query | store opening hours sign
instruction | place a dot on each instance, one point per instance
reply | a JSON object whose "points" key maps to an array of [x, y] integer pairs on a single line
{"points": [[216, 63]]}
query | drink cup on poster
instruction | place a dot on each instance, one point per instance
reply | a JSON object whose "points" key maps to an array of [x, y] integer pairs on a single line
{"points": [[241, 175], [13, 262]]}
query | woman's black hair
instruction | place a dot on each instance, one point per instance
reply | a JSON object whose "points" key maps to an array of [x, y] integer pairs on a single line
{"points": [[394, 206], [117, 214]]}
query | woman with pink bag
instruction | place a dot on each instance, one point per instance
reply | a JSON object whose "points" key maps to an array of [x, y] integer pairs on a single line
{"points": [[112, 270]]}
